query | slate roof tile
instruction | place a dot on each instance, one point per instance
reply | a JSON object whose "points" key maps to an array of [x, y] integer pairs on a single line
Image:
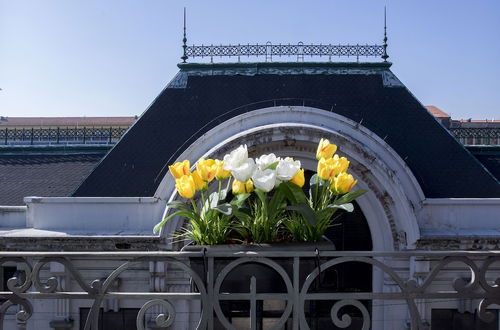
{"points": [[178, 116]]}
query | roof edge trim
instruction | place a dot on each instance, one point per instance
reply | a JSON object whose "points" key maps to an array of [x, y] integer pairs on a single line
{"points": [[211, 66]]}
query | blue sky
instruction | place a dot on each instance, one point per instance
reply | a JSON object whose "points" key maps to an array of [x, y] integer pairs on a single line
{"points": [[111, 58]]}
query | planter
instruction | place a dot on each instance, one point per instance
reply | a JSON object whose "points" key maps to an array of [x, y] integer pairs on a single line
{"points": [[268, 280]]}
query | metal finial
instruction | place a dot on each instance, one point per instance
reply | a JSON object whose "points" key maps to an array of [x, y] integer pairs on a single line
{"points": [[385, 56], [184, 40]]}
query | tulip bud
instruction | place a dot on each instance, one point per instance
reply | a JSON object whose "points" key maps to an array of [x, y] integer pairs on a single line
{"points": [[298, 178], [220, 172], [206, 169], [185, 186], [179, 169], [343, 183], [325, 149], [331, 167], [199, 183], [242, 187]]}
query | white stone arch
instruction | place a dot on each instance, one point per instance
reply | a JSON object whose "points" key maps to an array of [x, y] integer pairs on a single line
{"points": [[394, 195]]}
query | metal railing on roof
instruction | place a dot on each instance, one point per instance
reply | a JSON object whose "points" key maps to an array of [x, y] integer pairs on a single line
{"points": [[302, 274], [61, 135], [270, 51]]}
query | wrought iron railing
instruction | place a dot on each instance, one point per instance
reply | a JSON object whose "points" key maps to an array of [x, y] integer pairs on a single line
{"points": [[413, 275], [61, 135], [299, 50], [269, 50], [477, 135]]}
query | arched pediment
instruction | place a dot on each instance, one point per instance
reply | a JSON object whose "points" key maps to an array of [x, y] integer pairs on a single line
{"points": [[393, 197]]}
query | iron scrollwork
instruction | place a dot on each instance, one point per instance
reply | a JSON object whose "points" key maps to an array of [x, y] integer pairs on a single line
{"points": [[476, 282]]}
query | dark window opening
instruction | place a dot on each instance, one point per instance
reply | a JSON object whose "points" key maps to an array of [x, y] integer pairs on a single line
{"points": [[124, 319], [452, 319]]}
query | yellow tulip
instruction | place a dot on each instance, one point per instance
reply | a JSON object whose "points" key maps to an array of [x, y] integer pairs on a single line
{"points": [[199, 183], [298, 178], [343, 183], [242, 187], [179, 169], [206, 169], [329, 168], [220, 172], [325, 149], [185, 186]]}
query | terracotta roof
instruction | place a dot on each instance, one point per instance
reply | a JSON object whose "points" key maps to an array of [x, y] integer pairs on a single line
{"points": [[66, 121], [478, 121], [436, 112]]}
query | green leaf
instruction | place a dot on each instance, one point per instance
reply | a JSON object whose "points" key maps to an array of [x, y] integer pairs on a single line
{"points": [[178, 205], [223, 194], [241, 215], [293, 193], [350, 196], [346, 207], [277, 204], [314, 180], [272, 166], [162, 223], [213, 199], [225, 208], [262, 195], [305, 210], [239, 200]]}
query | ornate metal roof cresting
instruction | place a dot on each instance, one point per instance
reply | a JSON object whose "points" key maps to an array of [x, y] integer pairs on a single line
{"points": [[268, 50]]}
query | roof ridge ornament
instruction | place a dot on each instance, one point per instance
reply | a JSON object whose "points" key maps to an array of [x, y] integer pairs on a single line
{"points": [[184, 40], [385, 56]]}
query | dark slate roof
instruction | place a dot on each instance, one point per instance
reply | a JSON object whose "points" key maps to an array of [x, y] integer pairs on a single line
{"points": [[489, 156], [34, 173], [366, 92]]}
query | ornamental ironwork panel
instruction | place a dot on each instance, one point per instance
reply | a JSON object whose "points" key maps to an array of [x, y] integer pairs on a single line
{"points": [[476, 132], [61, 135], [415, 277], [299, 50]]}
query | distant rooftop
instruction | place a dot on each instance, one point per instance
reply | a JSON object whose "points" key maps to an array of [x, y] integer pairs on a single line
{"points": [[66, 121], [436, 112]]}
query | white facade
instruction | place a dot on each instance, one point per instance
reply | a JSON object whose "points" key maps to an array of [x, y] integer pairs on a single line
{"points": [[399, 216]]}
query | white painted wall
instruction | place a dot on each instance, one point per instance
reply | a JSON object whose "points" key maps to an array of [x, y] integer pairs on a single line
{"points": [[94, 215], [460, 216], [12, 217]]}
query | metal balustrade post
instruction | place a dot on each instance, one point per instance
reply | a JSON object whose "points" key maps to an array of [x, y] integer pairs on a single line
{"points": [[253, 303], [209, 310], [296, 293]]}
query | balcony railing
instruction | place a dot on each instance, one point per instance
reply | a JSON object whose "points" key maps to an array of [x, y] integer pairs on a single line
{"points": [[298, 281]]}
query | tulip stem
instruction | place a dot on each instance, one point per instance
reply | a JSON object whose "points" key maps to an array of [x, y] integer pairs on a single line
{"points": [[218, 192], [195, 208]]}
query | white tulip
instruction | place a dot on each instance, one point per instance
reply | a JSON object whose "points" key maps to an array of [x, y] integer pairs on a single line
{"points": [[244, 171], [236, 158], [264, 180], [265, 160], [287, 168]]}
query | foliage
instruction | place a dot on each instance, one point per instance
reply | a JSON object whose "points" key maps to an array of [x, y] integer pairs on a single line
{"points": [[263, 200]]}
